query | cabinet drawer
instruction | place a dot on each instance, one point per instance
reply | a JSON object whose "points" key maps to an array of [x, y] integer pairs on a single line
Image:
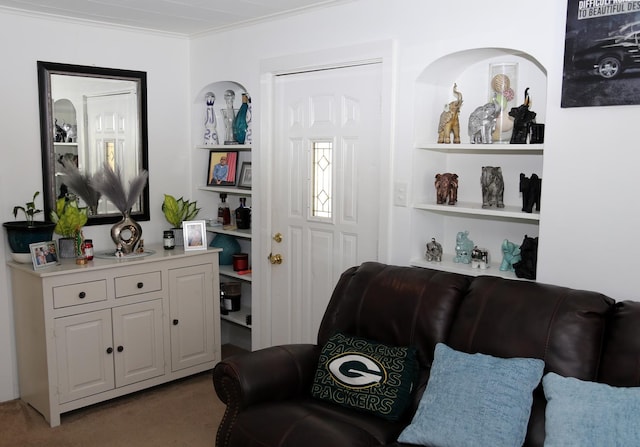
{"points": [[81, 293], [137, 284]]}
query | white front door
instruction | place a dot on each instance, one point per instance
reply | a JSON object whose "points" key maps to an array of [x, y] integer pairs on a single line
{"points": [[326, 182]]}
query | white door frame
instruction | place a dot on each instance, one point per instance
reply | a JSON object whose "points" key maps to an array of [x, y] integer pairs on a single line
{"points": [[382, 52]]}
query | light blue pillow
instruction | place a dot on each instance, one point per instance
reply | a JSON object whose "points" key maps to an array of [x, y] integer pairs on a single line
{"points": [[587, 414], [474, 400]]}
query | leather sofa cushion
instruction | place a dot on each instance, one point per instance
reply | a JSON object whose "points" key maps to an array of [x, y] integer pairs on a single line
{"points": [[621, 358]]}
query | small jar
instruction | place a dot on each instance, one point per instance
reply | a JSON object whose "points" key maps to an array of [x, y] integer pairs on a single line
{"points": [[88, 249], [168, 240]]}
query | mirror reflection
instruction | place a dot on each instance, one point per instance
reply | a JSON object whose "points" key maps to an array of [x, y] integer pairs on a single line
{"points": [[90, 116]]}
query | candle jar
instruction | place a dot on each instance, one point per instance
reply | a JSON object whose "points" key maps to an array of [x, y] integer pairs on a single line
{"points": [[168, 240]]}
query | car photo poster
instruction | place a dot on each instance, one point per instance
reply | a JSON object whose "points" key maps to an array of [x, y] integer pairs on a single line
{"points": [[601, 53]]}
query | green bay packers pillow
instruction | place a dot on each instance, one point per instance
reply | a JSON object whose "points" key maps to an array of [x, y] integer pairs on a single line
{"points": [[365, 375]]}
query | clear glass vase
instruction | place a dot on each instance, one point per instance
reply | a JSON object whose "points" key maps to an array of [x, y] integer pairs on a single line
{"points": [[503, 83]]}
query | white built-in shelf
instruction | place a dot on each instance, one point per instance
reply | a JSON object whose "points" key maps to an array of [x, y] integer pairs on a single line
{"points": [[447, 265], [226, 189], [246, 234], [225, 147], [475, 209], [468, 148], [227, 270], [239, 317]]}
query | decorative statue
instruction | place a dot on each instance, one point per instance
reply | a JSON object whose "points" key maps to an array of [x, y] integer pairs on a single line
{"points": [[446, 188], [530, 189], [71, 132], [537, 133], [464, 246], [479, 258], [510, 255], [434, 251], [449, 120], [59, 132], [492, 187], [523, 118], [210, 124], [526, 268], [229, 116], [482, 122]]}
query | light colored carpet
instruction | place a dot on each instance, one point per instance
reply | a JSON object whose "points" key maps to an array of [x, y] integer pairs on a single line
{"points": [[182, 413]]}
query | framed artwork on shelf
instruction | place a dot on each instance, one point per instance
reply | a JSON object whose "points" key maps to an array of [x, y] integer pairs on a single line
{"points": [[223, 167], [195, 235], [44, 254], [245, 175]]}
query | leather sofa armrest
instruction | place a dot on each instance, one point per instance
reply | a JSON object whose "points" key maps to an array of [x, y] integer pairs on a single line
{"points": [[270, 374]]}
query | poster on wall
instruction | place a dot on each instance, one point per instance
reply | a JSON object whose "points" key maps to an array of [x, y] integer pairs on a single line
{"points": [[602, 53]]}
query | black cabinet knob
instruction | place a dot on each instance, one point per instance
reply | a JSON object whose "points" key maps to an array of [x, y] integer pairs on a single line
{"points": [[175, 322], [109, 350], [81, 295], [120, 349], [140, 285]]}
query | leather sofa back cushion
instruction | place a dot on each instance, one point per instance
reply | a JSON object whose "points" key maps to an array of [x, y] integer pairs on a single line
{"points": [[365, 375]]}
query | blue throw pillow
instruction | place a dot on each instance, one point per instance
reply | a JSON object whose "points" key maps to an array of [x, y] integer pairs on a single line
{"points": [[587, 414], [475, 400], [361, 374]]}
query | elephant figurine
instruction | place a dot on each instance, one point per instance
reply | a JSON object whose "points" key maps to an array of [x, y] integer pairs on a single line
{"points": [[523, 118], [530, 189], [482, 122], [434, 251], [510, 256], [449, 122], [464, 246], [479, 258], [446, 188], [526, 267], [492, 187]]}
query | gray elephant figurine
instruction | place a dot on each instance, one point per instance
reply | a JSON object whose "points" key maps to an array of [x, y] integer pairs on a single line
{"points": [[449, 122], [492, 187], [434, 251], [482, 122], [446, 188], [464, 246]]}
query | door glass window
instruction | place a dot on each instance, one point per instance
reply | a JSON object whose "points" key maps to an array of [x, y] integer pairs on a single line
{"points": [[322, 173]]}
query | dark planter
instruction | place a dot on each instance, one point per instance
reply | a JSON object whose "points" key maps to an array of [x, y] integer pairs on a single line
{"points": [[21, 234]]}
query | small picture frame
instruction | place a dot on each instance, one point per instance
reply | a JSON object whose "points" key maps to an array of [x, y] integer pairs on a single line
{"points": [[44, 254], [223, 168], [245, 175], [195, 235]]}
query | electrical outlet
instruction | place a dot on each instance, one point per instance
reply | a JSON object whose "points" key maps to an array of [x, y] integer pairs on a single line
{"points": [[400, 194]]}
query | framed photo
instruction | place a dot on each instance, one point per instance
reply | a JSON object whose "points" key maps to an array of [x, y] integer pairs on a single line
{"points": [[245, 175], [195, 235], [44, 254], [223, 167]]}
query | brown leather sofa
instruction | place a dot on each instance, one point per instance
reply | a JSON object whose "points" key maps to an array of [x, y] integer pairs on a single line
{"points": [[577, 333]]}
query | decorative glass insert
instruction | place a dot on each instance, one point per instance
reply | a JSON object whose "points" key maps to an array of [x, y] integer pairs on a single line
{"points": [[322, 170]]}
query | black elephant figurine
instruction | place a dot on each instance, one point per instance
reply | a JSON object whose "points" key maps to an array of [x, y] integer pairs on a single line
{"points": [[523, 118], [526, 268], [530, 189]]}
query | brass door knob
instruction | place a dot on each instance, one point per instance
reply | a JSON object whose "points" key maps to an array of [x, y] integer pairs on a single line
{"points": [[275, 259], [277, 237]]}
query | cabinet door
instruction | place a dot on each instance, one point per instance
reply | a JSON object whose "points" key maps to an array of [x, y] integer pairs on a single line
{"points": [[84, 354], [138, 342], [192, 316]]}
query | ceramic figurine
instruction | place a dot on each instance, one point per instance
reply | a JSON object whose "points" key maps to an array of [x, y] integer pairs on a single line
{"points": [[434, 251], [464, 246], [482, 122], [510, 255], [229, 116], [446, 188], [210, 124], [249, 136], [449, 122], [526, 267], [479, 258], [492, 187], [240, 121], [530, 189], [523, 118]]}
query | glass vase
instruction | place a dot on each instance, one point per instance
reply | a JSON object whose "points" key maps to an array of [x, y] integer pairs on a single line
{"points": [[503, 83]]}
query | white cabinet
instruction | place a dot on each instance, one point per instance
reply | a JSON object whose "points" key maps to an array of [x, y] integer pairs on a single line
{"points": [[487, 227], [85, 334]]}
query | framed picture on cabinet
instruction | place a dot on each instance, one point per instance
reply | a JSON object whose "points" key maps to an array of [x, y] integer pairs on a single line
{"points": [[245, 175], [195, 235], [223, 168], [44, 254]]}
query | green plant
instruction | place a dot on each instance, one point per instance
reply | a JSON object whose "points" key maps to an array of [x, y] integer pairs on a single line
{"points": [[177, 211], [68, 217], [29, 209]]}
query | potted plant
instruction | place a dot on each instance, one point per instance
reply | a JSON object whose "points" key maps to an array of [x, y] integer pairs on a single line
{"points": [[69, 219], [24, 232], [177, 211]]}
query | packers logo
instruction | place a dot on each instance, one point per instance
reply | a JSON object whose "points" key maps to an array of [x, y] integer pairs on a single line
{"points": [[354, 370]]}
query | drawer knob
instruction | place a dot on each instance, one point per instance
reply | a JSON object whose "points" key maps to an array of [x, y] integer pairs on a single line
{"points": [[175, 322], [81, 295], [120, 349], [109, 350], [140, 285]]}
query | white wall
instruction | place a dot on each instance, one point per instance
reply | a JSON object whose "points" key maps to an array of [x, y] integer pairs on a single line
{"points": [[26, 40]]}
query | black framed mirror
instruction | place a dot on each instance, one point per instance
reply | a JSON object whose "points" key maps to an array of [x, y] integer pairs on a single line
{"points": [[90, 116]]}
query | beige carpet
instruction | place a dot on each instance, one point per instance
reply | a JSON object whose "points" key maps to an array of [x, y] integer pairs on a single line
{"points": [[182, 413]]}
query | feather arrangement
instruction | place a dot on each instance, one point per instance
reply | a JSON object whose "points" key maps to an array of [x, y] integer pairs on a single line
{"points": [[80, 184], [109, 183]]}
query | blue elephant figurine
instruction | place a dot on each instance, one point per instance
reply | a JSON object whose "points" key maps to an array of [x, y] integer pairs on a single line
{"points": [[464, 246], [510, 256]]}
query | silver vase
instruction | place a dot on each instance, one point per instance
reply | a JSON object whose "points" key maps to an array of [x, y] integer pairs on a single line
{"points": [[126, 233]]}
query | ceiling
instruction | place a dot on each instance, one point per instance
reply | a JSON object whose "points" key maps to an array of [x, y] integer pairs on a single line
{"points": [[180, 17]]}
